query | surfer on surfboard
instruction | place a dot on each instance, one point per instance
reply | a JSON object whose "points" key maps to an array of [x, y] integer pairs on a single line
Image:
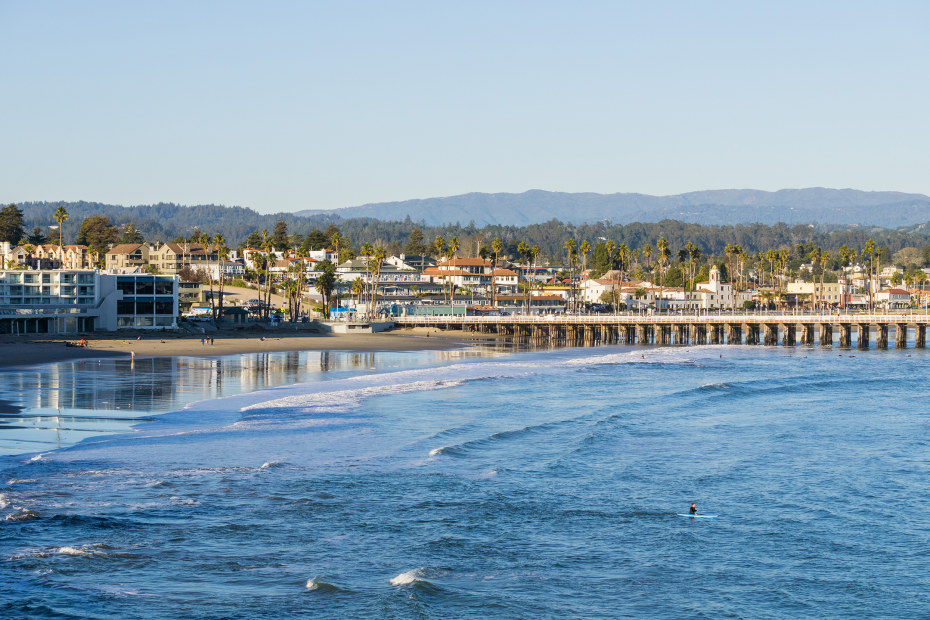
{"points": [[693, 510]]}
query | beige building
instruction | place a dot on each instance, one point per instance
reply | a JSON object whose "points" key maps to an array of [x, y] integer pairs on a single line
{"points": [[127, 257], [171, 258], [831, 293]]}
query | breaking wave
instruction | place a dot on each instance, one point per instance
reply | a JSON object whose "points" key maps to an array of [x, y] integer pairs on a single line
{"points": [[415, 577]]}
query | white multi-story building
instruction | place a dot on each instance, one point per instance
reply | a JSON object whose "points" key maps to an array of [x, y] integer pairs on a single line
{"points": [[64, 301], [710, 295]]}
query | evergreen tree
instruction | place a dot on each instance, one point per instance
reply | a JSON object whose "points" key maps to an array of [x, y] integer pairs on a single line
{"points": [[315, 240], [131, 235], [415, 245], [279, 236], [11, 224], [97, 233], [254, 240], [37, 237]]}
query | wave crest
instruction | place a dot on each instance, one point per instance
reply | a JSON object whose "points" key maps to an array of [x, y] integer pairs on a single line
{"points": [[318, 584]]}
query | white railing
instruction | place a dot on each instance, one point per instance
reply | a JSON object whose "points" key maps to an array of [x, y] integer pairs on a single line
{"points": [[675, 319]]}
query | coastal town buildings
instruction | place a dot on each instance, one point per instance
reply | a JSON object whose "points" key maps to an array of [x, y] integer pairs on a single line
{"points": [[459, 284], [70, 301]]}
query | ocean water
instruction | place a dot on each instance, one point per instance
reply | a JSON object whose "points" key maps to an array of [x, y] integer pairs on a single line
{"points": [[449, 485]]}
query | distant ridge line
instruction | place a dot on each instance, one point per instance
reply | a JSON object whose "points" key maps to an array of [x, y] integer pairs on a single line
{"points": [[815, 205]]}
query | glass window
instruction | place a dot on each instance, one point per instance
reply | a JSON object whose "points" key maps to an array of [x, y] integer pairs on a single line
{"points": [[163, 286], [164, 321], [145, 305], [125, 321], [125, 307], [163, 306], [145, 286], [126, 285], [144, 321]]}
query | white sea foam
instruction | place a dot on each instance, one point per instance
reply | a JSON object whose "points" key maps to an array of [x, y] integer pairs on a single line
{"points": [[317, 584], [74, 551], [4, 500], [343, 395], [344, 400], [409, 578], [93, 549], [20, 480], [270, 465], [184, 501], [37, 457], [23, 514]]}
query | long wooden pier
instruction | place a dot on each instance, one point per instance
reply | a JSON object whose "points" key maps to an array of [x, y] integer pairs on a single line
{"points": [[765, 329]]}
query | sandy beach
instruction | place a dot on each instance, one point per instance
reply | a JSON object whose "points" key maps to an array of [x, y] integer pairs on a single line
{"points": [[30, 350]]}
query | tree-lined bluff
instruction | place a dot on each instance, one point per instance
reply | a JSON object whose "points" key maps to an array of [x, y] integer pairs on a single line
{"points": [[166, 222]]}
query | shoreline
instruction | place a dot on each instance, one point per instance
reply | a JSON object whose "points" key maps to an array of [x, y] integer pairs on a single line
{"points": [[22, 351]]}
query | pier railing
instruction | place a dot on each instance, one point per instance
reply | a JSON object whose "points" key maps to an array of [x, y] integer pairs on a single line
{"points": [[672, 319]]}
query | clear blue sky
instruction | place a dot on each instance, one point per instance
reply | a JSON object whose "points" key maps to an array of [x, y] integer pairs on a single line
{"points": [[282, 106]]}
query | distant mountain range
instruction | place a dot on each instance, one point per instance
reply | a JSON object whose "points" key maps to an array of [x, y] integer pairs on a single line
{"points": [[816, 205]]}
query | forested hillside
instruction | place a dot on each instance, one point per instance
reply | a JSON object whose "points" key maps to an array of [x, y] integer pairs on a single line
{"points": [[816, 205], [165, 222]]}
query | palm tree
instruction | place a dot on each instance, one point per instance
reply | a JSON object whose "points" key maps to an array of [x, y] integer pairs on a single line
{"points": [[741, 257], [572, 250], [366, 251], [824, 259], [336, 240], [919, 277], [439, 247], [623, 261], [301, 255], [771, 256], [647, 255], [268, 247], [815, 260], [326, 283], [730, 251], [534, 252], [868, 253], [694, 254], [662, 256], [222, 252], [450, 254], [358, 287], [292, 288], [584, 248], [497, 244], [523, 249], [377, 259], [783, 256], [60, 215]]}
